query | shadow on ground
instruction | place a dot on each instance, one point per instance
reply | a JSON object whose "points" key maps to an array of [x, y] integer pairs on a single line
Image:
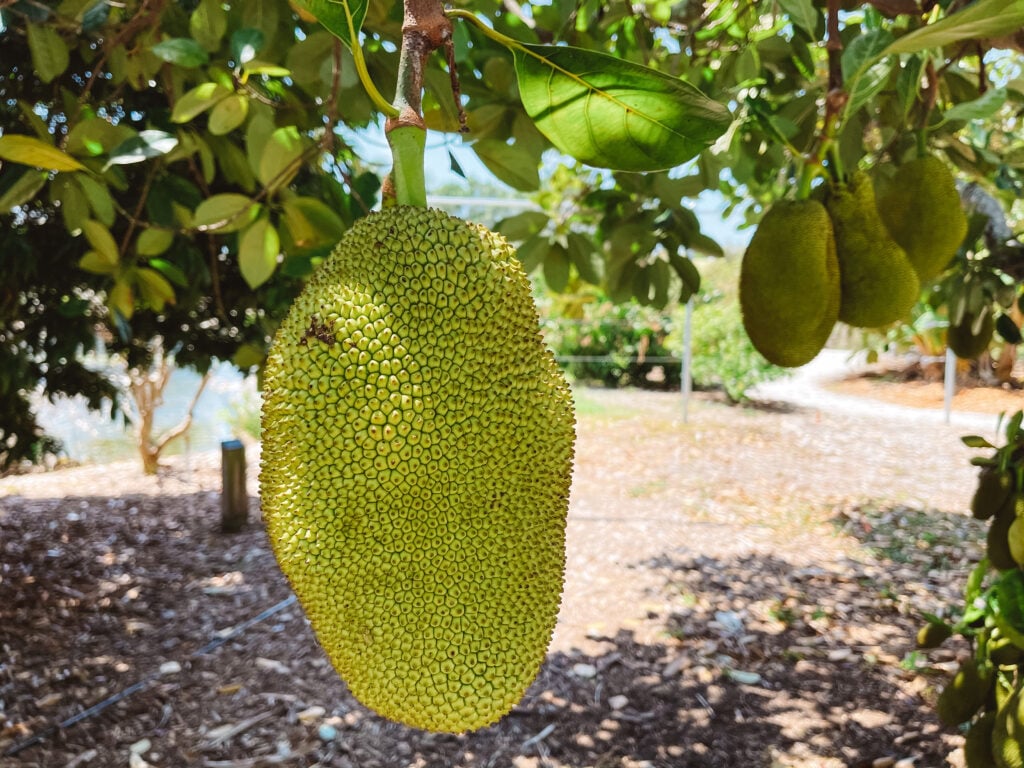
{"points": [[748, 662]]}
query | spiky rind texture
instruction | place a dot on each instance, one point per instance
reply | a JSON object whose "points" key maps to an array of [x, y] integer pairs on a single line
{"points": [[417, 454], [789, 283], [921, 209], [879, 286]]}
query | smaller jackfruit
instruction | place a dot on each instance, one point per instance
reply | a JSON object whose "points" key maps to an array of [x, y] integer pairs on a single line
{"points": [[1008, 733], [1015, 539], [933, 634], [994, 489], [978, 743], [879, 285], [1002, 652], [789, 283], [965, 694], [921, 209], [997, 539], [972, 335]]}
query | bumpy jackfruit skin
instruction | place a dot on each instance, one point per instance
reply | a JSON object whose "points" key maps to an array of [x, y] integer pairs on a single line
{"points": [[417, 454], [978, 743], [879, 286], [789, 283], [1008, 733], [921, 209]]}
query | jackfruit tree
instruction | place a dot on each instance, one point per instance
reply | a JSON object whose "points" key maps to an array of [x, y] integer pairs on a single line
{"points": [[173, 170]]}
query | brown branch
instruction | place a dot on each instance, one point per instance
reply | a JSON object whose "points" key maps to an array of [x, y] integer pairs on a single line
{"points": [[425, 28], [185, 424]]}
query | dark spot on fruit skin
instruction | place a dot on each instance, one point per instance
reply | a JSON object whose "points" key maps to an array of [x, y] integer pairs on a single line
{"points": [[317, 330]]}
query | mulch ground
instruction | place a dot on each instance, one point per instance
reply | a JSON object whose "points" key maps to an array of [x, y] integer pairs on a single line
{"points": [[742, 590]]}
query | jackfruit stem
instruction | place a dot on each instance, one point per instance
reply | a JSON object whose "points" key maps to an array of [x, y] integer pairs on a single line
{"points": [[407, 152]]}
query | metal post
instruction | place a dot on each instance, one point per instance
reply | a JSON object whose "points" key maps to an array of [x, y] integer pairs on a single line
{"points": [[950, 383], [234, 499], [686, 376]]}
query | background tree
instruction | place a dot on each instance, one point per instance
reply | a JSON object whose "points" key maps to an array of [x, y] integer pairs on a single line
{"points": [[173, 169]]}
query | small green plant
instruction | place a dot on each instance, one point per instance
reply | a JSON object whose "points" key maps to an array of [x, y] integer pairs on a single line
{"points": [[987, 687]]}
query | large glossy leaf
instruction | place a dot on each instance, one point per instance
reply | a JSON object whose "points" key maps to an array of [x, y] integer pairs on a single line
{"points": [[139, 148], [343, 18], [611, 113], [985, 18], [511, 163], [258, 248], [182, 51], [864, 71]]}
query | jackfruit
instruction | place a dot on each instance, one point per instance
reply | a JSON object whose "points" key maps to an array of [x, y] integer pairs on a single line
{"points": [[879, 286], [789, 283], [993, 491], [965, 694], [978, 743], [972, 335], [1008, 733], [921, 209], [417, 454], [933, 634], [997, 539]]}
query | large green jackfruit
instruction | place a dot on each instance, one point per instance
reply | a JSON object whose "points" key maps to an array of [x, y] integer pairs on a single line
{"points": [[921, 209], [417, 454], [997, 539], [879, 286], [789, 283]]}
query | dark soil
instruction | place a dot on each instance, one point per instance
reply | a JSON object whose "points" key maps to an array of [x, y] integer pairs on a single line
{"points": [[736, 595]]}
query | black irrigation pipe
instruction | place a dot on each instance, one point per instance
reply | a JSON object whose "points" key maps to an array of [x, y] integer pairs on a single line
{"points": [[95, 709]]}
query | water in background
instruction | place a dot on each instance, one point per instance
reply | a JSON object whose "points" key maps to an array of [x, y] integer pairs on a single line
{"points": [[229, 405]]}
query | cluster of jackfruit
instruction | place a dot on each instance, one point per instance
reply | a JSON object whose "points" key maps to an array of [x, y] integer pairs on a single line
{"points": [[885, 238], [417, 455], [996, 498]]}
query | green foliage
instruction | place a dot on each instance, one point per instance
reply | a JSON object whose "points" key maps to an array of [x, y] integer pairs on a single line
{"points": [[723, 355], [628, 334], [992, 616]]}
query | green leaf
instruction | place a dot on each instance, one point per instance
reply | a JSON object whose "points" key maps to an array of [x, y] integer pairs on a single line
{"points": [[611, 113], [24, 188], [278, 163], [864, 72], [37, 154], [97, 263], [170, 271], [556, 268], [511, 163], [533, 252], [208, 23], [312, 222], [1008, 330], [980, 108], [248, 355], [228, 114], [522, 225], [229, 212], [74, 207], [139, 148], [49, 52], [245, 44], [258, 249], [979, 20], [156, 291], [803, 14], [585, 257], [340, 17], [197, 101], [154, 241], [976, 441], [101, 240], [99, 198], [182, 51]]}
